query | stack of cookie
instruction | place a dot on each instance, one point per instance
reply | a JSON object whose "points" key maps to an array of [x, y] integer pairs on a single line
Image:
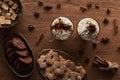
{"points": [[18, 55]]}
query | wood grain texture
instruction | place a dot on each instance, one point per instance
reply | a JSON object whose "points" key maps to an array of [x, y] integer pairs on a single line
{"points": [[70, 9]]}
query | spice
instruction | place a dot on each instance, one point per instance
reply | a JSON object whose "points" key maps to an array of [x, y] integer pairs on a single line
{"points": [[31, 28], [106, 65], [115, 26], [108, 11], [83, 9], [94, 45], [105, 21], [40, 3], [97, 7], [47, 8], [40, 38], [36, 14], [58, 6], [105, 40], [89, 5]]}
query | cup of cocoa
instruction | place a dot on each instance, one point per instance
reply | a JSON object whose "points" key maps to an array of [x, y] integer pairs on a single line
{"points": [[61, 28], [88, 29]]}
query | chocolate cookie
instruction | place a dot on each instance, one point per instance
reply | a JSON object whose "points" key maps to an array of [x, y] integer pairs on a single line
{"points": [[8, 44], [26, 60], [24, 53], [12, 57], [18, 43], [9, 50], [23, 68]]}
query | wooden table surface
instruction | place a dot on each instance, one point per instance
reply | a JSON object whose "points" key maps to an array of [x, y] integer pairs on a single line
{"points": [[73, 46]]}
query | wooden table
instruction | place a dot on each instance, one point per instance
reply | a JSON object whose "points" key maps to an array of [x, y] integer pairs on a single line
{"points": [[73, 46]]}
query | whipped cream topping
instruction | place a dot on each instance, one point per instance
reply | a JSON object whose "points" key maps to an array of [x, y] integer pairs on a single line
{"points": [[62, 34], [83, 28]]}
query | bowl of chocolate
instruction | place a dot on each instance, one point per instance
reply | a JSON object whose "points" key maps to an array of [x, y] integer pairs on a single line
{"points": [[17, 54], [10, 11]]}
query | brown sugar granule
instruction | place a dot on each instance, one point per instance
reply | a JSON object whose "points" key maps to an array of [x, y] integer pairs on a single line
{"points": [[40, 38], [89, 5], [115, 26], [94, 45], [31, 28], [105, 21], [105, 40], [97, 7], [108, 11], [36, 14], [40, 3], [58, 6], [48, 8], [83, 9]]}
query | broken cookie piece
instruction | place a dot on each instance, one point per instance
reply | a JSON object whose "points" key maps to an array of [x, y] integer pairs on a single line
{"points": [[8, 22], [15, 6], [5, 6], [13, 17], [11, 3], [2, 19], [8, 15], [105, 64]]}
